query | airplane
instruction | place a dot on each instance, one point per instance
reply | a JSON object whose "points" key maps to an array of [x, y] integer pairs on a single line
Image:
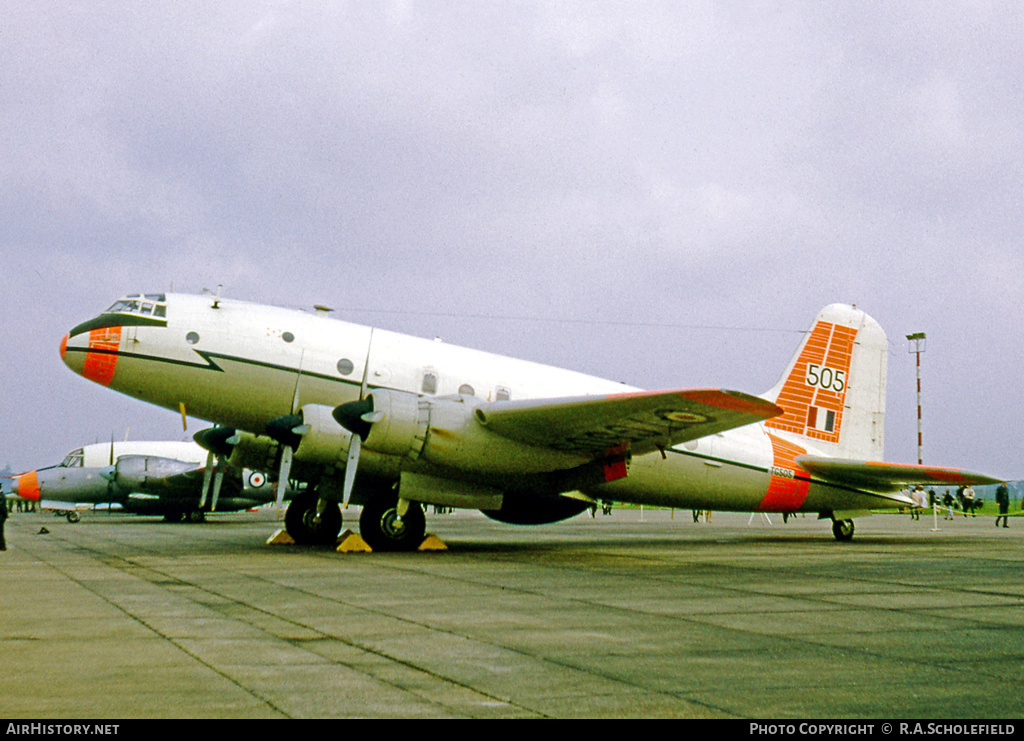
{"points": [[392, 422], [158, 477]]}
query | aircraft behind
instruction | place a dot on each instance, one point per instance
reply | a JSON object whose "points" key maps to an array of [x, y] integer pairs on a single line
{"points": [[393, 422], [165, 478]]}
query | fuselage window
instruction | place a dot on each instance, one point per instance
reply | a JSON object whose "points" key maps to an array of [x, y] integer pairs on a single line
{"points": [[345, 366], [192, 338], [502, 393], [288, 337], [466, 390], [429, 382]]}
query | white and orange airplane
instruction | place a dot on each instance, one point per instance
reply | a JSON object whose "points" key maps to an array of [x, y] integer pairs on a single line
{"points": [[424, 422]]}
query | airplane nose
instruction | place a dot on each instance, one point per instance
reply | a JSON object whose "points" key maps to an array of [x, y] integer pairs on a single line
{"points": [[26, 486], [73, 360]]}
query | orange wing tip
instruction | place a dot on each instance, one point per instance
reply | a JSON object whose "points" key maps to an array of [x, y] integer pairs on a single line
{"points": [[731, 401], [734, 401], [938, 474]]}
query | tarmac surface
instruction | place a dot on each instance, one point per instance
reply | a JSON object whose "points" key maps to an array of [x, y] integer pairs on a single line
{"points": [[637, 614]]}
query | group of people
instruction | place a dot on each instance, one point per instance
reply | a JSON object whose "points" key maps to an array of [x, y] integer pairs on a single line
{"points": [[967, 499]]}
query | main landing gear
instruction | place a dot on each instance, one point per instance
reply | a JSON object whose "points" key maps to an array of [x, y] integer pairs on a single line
{"points": [[843, 530], [309, 522], [390, 524], [386, 523]]}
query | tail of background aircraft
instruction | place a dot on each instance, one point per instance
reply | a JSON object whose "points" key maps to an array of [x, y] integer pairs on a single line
{"points": [[834, 389]]}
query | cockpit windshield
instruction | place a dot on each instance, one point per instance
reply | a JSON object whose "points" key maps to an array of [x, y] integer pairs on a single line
{"points": [[74, 459], [150, 304]]}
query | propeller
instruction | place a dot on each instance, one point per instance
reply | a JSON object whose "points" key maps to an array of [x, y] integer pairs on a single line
{"points": [[219, 442], [358, 417], [288, 430]]}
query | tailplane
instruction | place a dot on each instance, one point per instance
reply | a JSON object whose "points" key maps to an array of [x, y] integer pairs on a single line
{"points": [[833, 392]]}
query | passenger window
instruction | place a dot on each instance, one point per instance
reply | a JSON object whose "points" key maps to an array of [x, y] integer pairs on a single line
{"points": [[501, 393], [466, 390], [429, 382]]}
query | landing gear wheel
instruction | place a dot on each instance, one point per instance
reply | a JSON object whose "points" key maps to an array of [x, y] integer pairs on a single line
{"points": [[73, 517], [843, 530], [195, 515], [305, 527], [384, 530]]}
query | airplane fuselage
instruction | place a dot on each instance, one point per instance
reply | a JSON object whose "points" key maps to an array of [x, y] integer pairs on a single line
{"points": [[241, 365]]}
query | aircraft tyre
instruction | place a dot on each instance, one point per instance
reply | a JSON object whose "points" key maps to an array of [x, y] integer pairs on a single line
{"points": [[302, 524], [383, 530], [843, 530], [73, 517]]}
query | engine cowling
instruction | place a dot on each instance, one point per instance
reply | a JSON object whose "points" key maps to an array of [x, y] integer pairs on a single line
{"points": [[133, 473], [449, 432], [404, 420]]}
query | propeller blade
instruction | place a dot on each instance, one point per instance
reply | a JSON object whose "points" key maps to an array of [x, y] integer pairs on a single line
{"points": [[287, 453], [350, 469], [218, 479], [207, 477]]}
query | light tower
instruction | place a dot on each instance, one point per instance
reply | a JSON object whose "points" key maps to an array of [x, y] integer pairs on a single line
{"points": [[917, 344]]}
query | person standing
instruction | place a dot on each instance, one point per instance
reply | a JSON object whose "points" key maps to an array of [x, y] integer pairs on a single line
{"points": [[1003, 500], [969, 501], [3, 519], [918, 497]]}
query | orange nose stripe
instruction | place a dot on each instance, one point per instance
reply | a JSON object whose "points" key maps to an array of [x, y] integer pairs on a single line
{"points": [[28, 486], [100, 366]]}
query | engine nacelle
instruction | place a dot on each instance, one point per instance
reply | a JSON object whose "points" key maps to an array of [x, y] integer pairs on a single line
{"points": [[449, 432], [403, 424], [138, 473], [253, 451]]}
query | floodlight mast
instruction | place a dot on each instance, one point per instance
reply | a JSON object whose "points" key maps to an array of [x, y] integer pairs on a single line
{"points": [[917, 346]]}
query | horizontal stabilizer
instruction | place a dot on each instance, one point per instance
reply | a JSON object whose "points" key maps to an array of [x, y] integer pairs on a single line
{"points": [[641, 421], [888, 477]]}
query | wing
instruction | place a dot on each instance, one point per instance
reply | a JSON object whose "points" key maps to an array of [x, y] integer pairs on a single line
{"points": [[640, 422], [888, 477]]}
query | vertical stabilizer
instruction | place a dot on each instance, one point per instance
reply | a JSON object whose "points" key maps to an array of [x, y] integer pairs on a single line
{"points": [[834, 389]]}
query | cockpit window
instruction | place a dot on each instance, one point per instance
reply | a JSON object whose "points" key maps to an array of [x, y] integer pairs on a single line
{"points": [[152, 304], [74, 459]]}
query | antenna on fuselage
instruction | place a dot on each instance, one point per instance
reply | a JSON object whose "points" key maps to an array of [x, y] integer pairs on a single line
{"points": [[216, 300]]}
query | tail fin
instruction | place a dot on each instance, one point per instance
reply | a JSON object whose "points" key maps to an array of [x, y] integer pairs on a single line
{"points": [[833, 392]]}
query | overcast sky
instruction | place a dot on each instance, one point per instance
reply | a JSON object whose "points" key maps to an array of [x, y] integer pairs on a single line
{"points": [[660, 193]]}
